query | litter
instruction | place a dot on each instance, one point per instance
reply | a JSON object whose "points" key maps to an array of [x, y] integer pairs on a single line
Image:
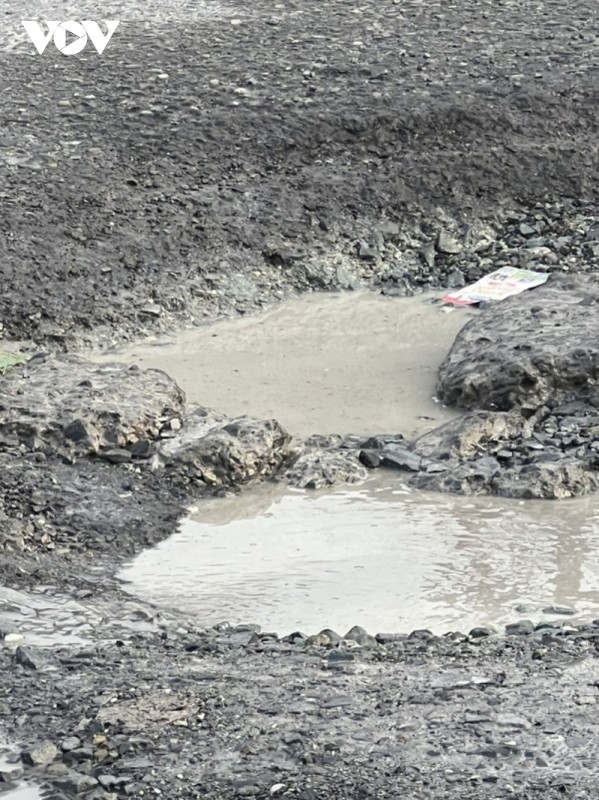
{"points": [[498, 285]]}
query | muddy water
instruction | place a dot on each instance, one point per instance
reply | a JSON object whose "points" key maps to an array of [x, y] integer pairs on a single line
{"points": [[11, 786], [45, 618], [326, 363], [378, 556], [374, 555], [42, 620]]}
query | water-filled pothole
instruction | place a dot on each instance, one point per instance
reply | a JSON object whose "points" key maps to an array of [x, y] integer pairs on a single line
{"points": [[326, 363], [377, 556]]}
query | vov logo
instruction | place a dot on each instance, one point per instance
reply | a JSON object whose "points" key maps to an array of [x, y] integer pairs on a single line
{"points": [[82, 31]]}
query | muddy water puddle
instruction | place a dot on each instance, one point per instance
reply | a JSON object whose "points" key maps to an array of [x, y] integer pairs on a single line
{"points": [[44, 620], [47, 618], [374, 555], [379, 556], [325, 363]]}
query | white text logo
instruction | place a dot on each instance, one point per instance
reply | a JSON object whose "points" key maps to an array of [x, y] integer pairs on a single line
{"points": [[81, 31]]}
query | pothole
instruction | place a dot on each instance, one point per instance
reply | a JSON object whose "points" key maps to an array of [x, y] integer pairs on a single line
{"points": [[326, 363], [378, 556], [375, 555]]}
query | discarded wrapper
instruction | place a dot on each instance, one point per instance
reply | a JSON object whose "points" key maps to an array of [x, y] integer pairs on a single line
{"points": [[497, 285]]}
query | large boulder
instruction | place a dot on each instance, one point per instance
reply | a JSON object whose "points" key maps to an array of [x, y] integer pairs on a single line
{"points": [[212, 450], [553, 454], [70, 406], [538, 348]]}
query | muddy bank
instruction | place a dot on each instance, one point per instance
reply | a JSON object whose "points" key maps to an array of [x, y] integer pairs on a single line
{"points": [[305, 148]]}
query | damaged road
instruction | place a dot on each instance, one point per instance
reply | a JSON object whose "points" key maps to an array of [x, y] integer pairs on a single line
{"points": [[210, 167], [99, 461], [232, 713]]}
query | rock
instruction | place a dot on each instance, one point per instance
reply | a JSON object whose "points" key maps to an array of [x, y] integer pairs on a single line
{"points": [[13, 638], [70, 743], [455, 280], [316, 469], [421, 633], [151, 310], [144, 448], [242, 639], [326, 638], [563, 610], [116, 455], [74, 783], [527, 230], [320, 441], [340, 657], [320, 274], [40, 755], [29, 659], [591, 249], [485, 467], [540, 252], [70, 405], [296, 637], [585, 699], [381, 441], [523, 628], [539, 348], [9, 773], [524, 608], [367, 251], [549, 628], [465, 437], [346, 280], [506, 720], [336, 701], [390, 231], [447, 244], [245, 628], [428, 255], [547, 481], [370, 458], [400, 458], [389, 638], [481, 632], [214, 451], [110, 782], [360, 636]]}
